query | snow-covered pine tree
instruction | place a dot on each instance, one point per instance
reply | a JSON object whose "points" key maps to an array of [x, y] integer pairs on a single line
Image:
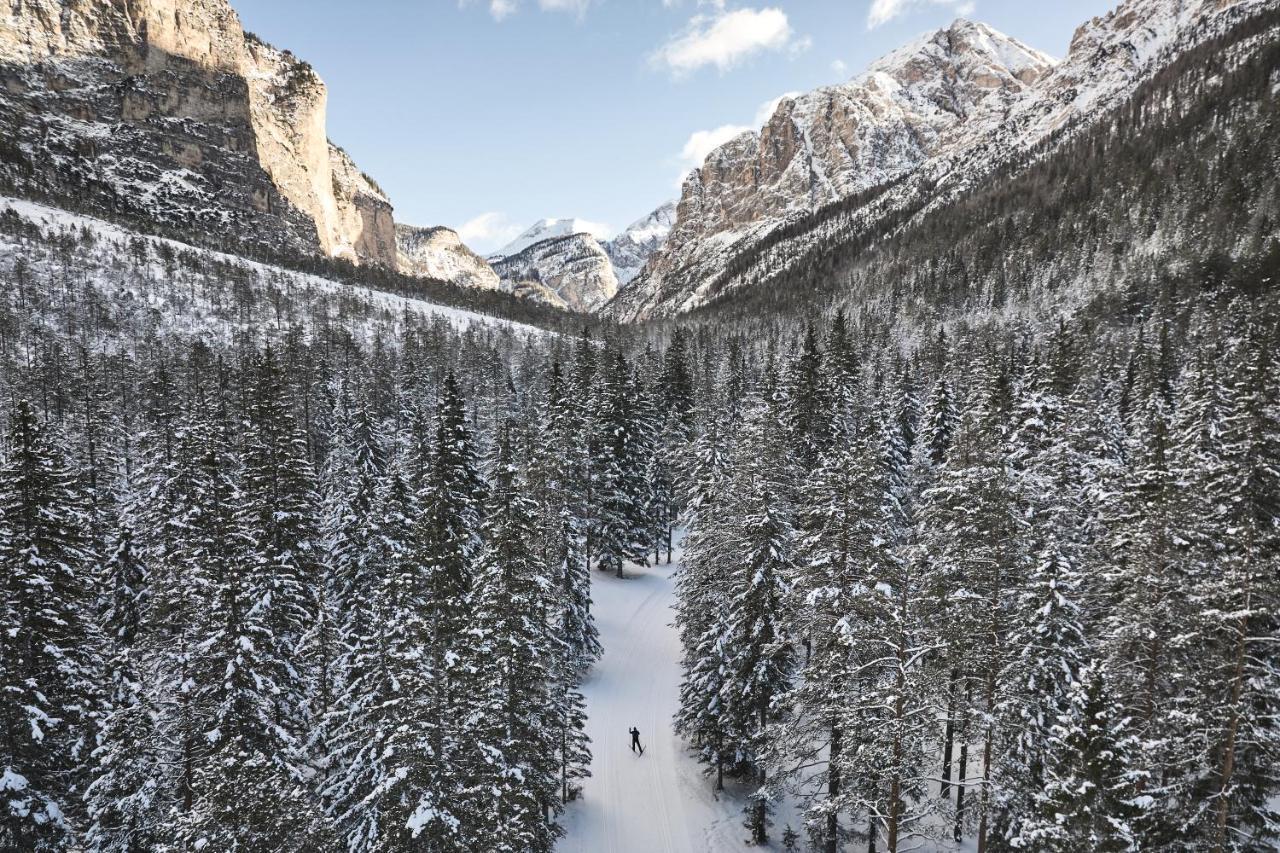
{"points": [[428, 644], [969, 547], [808, 406], [1087, 795], [387, 763], [756, 648], [839, 559], [1237, 605], [126, 800], [279, 512], [249, 791], [556, 464], [1148, 650], [619, 500], [703, 585], [49, 646], [1048, 650], [511, 677]]}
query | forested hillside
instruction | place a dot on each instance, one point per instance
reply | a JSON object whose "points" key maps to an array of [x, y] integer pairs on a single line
{"points": [[968, 490], [1012, 582], [1173, 188]]}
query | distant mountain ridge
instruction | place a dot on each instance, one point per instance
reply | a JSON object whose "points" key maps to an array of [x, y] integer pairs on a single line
{"points": [[833, 142], [950, 109], [568, 261]]}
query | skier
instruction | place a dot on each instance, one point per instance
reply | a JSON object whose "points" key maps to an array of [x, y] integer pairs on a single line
{"points": [[635, 741]]}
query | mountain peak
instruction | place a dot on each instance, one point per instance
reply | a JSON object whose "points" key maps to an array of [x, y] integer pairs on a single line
{"points": [[549, 229], [964, 50]]}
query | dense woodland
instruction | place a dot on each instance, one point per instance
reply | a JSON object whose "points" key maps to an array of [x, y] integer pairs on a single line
{"points": [[1015, 583], [987, 548], [315, 573]]}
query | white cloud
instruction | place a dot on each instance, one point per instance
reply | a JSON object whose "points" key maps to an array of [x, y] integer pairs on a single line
{"points": [[503, 9], [883, 11], [765, 111], [599, 230], [839, 68], [724, 39], [578, 7], [702, 142], [489, 231]]}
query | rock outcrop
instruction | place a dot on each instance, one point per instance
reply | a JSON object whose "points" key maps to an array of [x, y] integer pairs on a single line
{"points": [[926, 123], [440, 253], [574, 268], [834, 142], [631, 249], [167, 111]]}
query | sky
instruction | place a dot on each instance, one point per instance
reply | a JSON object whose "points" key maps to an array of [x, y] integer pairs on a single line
{"points": [[487, 115]]}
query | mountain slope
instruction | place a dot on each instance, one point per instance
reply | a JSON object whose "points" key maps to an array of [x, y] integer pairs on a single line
{"points": [[440, 253], [174, 116], [1168, 194], [547, 229], [573, 270], [631, 249], [832, 143]]}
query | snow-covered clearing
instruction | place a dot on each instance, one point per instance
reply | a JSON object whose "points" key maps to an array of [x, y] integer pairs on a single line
{"points": [[659, 802]]}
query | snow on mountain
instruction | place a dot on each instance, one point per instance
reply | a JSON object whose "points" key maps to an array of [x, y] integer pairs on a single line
{"points": [[568, 262], [550, 229], [834, 142], [573, 269], [440, 253], [174, 115], [632, 248], [180, 286], [931, 118]]}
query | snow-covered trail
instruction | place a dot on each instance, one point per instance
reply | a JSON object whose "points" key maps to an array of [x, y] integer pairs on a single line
{"points": [[659, 802]]}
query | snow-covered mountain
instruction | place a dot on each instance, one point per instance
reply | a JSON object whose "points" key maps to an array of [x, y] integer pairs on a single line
{"points": [[440, 253], [925, 123], [631, 249], [549, 229], [171, 114], [570, 262], [834, 142], [572, 270]]}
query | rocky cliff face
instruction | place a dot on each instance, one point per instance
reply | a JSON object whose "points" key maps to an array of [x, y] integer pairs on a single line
{"points": [[167, 111], [440, 253], [836, 141], [573, 269], [933, 118], [631, 249]]}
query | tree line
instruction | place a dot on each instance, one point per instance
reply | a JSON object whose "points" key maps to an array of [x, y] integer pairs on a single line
{"points": [[1016, 583]]}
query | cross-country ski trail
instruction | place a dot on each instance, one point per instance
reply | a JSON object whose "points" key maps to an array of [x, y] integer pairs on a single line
{"points": [[659, 802]]}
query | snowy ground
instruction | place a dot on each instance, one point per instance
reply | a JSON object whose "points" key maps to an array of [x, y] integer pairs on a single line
{"points": [[113, 242], [661, 802]]}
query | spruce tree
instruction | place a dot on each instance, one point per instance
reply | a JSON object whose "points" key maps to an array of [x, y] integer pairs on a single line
{"points": [[49, 646]]}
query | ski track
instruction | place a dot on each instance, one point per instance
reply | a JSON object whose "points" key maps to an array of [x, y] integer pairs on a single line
{"points": [[660, 802]]}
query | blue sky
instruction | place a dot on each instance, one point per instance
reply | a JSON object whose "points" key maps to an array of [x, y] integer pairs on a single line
{"points": [[486, 115]]}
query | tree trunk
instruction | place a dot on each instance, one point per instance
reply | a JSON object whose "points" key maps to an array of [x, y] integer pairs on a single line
{"points": [[948, 736], [984, 795], [963, 769], [833, 791], [1233, 727]]}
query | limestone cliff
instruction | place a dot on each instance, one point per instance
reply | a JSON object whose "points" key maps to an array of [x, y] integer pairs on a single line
{"points": [[166, 110], [831, 143], [440, 253]]}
